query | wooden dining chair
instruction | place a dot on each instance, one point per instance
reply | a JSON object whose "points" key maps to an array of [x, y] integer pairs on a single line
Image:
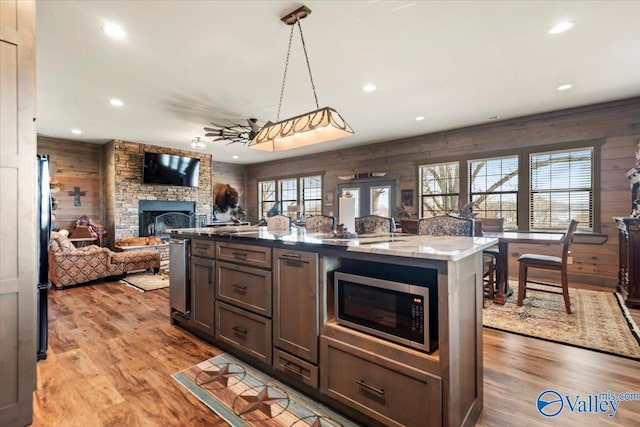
{"points": [[547, 262], [490, 256], [369, 224], [492, 224], [320, 224]]}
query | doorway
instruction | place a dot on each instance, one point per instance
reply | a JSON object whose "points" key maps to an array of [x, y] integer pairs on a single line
{"points": [[372, 197]]}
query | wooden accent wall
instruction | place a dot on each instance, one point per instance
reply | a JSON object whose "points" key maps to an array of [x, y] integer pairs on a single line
{"points": [[617, 123], [75, 164], [111, 175]]}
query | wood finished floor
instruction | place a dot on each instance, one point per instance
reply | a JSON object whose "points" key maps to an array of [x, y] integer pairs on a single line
{"points": [[112, 351]]}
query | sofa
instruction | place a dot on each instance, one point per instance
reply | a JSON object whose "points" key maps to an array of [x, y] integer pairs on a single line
{"points": [[69, 265]]}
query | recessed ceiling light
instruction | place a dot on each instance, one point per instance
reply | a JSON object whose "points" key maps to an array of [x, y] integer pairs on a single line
{"points": [[235, 157], [565, 87], [419, 118], [114, 31], [76, 131], [116, 102], [561, 27], [369, 87]]}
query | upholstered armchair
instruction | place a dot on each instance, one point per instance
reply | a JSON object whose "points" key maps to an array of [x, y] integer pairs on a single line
{"points": [[445, 225], [370, 224], [69, 265], [320, 224]]}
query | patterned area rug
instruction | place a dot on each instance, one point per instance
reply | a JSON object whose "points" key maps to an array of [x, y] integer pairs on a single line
{"points": [[243, 396], [599, 321], [147, 281]]}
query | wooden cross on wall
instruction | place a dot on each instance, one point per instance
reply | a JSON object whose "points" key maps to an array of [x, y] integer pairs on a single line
{"points": [[76, 193]]}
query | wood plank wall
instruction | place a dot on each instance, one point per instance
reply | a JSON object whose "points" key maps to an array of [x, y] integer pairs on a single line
{"points": [[92, 167], [617, 123], [75, 164]]}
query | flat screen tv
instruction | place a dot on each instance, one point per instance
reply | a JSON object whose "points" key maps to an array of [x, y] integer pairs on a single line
{"points": [[170, 169]]}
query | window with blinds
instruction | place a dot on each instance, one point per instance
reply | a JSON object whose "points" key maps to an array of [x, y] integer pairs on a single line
{"points": [[288, 194], [439, 189], [266, 196], [493, 188], [305, 191], [561, 189], [312, 195]]}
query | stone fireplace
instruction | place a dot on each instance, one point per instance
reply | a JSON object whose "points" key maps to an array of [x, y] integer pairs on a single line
{"points": [[155, 217]]}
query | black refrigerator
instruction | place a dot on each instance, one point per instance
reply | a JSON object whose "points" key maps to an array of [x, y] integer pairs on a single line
{"points": [[44, 234]]}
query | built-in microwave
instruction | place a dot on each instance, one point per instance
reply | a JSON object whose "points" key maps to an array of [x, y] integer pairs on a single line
{"points": [[399, 312]]}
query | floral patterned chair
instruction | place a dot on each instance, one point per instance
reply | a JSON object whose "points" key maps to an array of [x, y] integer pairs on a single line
{"points": [[320, 224], [69, 265], [371, 224], [445, 225]]}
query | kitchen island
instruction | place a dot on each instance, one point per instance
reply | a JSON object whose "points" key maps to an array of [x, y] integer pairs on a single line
{"points": [[272, 300]]}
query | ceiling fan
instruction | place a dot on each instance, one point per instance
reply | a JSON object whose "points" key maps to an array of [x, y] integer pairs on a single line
{"points": [[233, 132]]}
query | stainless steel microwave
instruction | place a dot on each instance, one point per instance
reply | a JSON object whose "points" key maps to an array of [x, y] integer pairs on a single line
{"points": [[394, 311]]}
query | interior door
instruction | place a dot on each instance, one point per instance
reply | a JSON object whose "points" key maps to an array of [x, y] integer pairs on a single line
{"points": [[18, 241], [372, 197]]}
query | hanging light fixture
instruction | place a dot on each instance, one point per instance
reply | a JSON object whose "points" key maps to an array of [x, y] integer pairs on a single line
{"points": [[198, 143], [320, 125]]}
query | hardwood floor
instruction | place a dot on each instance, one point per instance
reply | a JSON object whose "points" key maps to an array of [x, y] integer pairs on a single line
{"points": [[112, 351]]}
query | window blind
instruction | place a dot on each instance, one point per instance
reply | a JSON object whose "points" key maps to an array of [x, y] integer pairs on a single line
{"points": [[493, 188], [439, 189], [561, 189]]}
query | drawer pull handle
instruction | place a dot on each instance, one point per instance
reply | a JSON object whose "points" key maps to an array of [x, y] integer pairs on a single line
{"points": [[376, 390], [239, 254], [291, 256], [239, 289], [239, 330], [293, 368], [201, 246]]}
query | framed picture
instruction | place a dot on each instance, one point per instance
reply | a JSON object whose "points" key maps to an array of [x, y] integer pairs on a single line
{"points": [[328, 199], [407, 197]]}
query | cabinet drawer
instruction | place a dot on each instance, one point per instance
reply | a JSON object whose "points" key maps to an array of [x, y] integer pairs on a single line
{"points": [[245, 331], [390, 392], [257, 256], [295, 368], [203, 248], [245, 287]]}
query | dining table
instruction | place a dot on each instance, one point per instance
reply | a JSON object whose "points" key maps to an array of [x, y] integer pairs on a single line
{"points": [[502, 260]]}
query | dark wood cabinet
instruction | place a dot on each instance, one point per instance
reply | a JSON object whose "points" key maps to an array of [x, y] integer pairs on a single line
{"points": [[202, 293], [629, 250], [296, 321]]}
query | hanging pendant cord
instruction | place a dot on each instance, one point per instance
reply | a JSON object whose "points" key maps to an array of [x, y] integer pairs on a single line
{"points": [[304, 47], [286, 66], [284, 77]]}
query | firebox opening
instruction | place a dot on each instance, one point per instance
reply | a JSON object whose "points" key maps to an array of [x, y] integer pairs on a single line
{"points": [[156, 217]]}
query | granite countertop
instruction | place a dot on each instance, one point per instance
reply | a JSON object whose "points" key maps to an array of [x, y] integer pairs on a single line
{"points": [[447, 248]]}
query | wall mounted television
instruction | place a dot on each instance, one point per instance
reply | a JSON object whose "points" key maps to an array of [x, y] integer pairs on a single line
{"points": [[170, 169]]}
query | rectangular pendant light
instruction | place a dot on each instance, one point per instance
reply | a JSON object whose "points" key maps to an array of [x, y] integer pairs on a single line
{"points": [[321, 125], [324, 124]]}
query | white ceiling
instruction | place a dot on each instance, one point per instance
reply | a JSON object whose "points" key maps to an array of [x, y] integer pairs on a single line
{"points": [[185, 64]]}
